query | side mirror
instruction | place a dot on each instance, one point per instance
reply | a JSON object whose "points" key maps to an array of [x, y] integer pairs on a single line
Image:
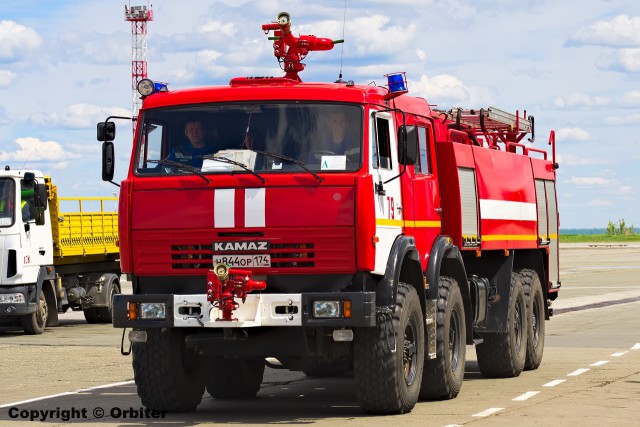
{"points": [[107, 161], [42, 196], [106, 131], [407, 145]]}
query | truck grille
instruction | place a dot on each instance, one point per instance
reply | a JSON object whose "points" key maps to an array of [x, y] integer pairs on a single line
{"points": [[284, 255], [324, 251]]}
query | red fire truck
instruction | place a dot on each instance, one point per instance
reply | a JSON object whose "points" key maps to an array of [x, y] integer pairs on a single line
{"points": [[330, 228]]}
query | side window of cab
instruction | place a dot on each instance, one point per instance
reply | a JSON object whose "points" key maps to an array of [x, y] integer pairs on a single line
{"points": [[423, 164]]}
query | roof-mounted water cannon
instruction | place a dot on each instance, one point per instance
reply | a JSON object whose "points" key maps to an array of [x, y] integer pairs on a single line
{"points": [[291, 50]]}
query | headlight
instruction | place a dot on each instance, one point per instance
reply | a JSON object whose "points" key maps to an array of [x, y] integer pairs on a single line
{"points": [[153, 310], [12, 299], [327, 309], [145, 87]]}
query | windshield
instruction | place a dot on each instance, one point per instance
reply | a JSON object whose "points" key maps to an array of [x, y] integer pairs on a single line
{"points": [[268, 137], [7, 202]]}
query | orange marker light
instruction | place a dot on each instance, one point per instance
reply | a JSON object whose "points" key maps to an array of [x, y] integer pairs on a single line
{"points": [[133, 311], [346, 309]]}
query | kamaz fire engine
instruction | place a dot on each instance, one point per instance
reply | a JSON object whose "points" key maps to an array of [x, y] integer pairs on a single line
{"points": [[333, 227]]}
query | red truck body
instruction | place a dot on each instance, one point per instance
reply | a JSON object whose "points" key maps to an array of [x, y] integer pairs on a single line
{"points": [[429, 231]]}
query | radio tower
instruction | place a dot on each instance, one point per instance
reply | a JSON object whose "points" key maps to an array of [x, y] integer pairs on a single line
{"points": [[138, 16]]}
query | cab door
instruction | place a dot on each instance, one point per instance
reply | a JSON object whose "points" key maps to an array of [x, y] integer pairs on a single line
{"points": [[387, 194], [424, 224]]}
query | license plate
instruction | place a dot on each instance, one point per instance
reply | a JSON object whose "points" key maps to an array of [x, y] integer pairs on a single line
{"points": [[243, 261]]}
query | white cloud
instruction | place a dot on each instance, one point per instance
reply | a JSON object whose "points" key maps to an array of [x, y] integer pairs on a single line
{"points": [[228, 29], [581, 100], [444, 88], [421, 54], [592, 181], [17, 40], [78, 116], [620, 60], [621, 31], [6, 78], [631, 119], [35, 150], [96, 48], [374, 35], [631, 99], [572, 134], [599, 203], [624, 190], [573, 160]]}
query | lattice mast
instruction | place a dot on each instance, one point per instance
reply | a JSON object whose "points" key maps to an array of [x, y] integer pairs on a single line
{"points": [[138, 16]]}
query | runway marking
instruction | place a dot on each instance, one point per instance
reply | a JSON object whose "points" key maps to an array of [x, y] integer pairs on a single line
{"points": [[578, 372], [67, 393], [487, 412], [553, 383], [598, 287], [526, 396], [600, 363], [620, 353], [636, 346]]}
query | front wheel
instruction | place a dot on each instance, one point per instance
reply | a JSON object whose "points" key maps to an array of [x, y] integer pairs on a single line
{"points": [[502, 355], [442, 377], [389, 358], [34, 323], [169, 376]]}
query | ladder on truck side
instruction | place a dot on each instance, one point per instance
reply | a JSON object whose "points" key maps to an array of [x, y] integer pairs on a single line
{"points": [[492, 124]]}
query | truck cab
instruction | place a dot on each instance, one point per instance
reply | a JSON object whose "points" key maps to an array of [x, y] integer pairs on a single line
{"points": [[26, 250], [53, 259]]}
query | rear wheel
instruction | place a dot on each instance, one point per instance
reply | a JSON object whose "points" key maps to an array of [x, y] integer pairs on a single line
{"points": [[442, 377], [34, 323], [169, 376], [389, 358], [105, 314], [91, 315], [535, 317], [502, 355], [231, 378]]}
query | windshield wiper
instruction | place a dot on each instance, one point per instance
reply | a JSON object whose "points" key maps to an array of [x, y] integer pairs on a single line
{"points": [[290, 160], [233, 162], [179, 166]]}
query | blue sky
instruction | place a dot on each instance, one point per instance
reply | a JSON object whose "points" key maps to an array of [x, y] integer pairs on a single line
{"points": [[575, 66]]}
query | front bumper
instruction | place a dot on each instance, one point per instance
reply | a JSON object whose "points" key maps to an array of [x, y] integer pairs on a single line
{"points": [[16, 308], [283, 310]]}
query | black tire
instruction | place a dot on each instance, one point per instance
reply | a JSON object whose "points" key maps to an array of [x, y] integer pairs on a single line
{"points": [[535, 318], [35, 323], [388, 361], [169, 376], [105, 314], [231, 378], [91, 315], [442, 377], [502, 355]]}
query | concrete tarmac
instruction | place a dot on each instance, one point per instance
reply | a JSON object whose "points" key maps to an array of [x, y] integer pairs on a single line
{"points": [[590, 373]]}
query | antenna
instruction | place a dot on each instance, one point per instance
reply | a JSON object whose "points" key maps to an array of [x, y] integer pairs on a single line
{"points": [[344, 22], [138, 16]]}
